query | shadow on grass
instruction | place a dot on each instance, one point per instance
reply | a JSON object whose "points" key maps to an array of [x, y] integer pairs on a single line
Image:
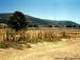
{"points": [[14, 45]]}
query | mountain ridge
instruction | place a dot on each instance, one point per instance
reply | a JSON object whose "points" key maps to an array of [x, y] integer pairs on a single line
{"points": [[4, 17]]}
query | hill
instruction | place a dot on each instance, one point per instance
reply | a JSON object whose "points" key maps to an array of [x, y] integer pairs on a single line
{"points": [[4, 17]]}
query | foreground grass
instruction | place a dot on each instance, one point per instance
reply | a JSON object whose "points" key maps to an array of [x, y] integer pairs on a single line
{"points": [[19, 39], [42, 44], [44, 51]]}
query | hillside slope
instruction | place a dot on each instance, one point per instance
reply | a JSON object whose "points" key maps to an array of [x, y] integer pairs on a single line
{"points": [[4, 17]]}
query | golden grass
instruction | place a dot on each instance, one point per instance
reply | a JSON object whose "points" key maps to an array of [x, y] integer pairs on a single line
{"points": [[44, 48], [12, 38]]}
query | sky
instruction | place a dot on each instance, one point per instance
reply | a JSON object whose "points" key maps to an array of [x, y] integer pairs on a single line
{"points": [[44, 9]]}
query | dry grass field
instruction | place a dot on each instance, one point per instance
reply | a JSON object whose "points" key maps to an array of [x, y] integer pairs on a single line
{"points": [[40, 44]]}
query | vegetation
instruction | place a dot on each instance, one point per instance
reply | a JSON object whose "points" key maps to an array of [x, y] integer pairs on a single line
{"points": [[50, 26], [18, 37], [9, 18], [22, 38], [18, 20]]}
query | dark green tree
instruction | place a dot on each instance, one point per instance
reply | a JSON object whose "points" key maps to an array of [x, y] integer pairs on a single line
{"points": [[50, 26], [18, 20]]}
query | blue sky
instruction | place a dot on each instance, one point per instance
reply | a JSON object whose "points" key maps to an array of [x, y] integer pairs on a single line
{"points": [[45, 9]]}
